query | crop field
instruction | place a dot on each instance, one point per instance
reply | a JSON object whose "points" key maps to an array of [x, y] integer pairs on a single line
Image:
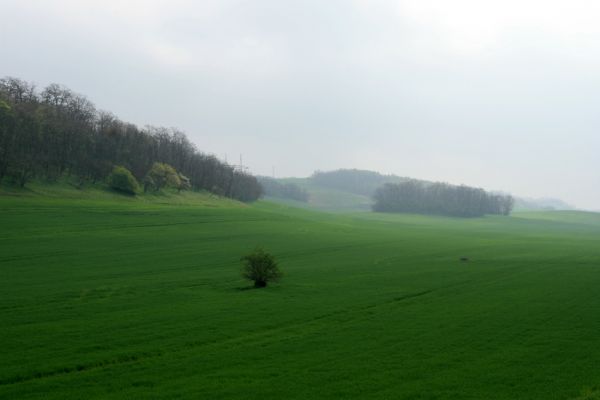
{"points": [[124, 299]]}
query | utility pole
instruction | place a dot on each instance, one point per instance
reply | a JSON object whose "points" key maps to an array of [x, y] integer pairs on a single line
{"points": [[240, 167]]}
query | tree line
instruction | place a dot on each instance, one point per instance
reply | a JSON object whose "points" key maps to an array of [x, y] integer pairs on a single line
{"points": [[55, 132], [440, 199]]}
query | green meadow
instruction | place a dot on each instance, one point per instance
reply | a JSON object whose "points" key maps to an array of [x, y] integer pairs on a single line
{"points": [[110, 297]]}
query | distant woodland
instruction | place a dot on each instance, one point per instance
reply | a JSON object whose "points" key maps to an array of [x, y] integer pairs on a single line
{"points": [[392, 193], [54, 132], [440, 199]]}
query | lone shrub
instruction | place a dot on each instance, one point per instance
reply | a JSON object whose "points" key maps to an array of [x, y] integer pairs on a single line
{"points": [[122, 180], [260, 267]]}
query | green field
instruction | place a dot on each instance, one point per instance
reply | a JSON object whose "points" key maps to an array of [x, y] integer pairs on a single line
{"points": [[122, 298]]}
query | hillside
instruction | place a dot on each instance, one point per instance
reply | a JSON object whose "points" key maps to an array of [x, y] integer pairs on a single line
{"points": [[55, 133], [352, 190], [325, 199], [345, 190], [542, 204], [113, 297], [355, 181]]}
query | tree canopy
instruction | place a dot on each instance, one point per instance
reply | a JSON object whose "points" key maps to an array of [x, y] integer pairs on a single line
{"points": [[122, 180], [260, 267]]}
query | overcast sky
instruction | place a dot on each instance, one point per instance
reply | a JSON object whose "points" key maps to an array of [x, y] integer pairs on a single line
{"points": [[498, 94]]}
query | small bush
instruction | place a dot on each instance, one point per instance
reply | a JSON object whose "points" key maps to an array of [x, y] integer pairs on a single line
{"points": [[161, 175], [122, 180], [260, 267]]}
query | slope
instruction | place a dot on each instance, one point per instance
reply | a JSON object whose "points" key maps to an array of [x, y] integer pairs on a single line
{"points": [[114, 299]]}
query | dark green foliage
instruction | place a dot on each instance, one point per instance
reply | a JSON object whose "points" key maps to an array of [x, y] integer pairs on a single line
{"points": [[57, 132], [440, 199], [20, 129], [7, 126], [121, 180], [260, 267], [274, 188]]}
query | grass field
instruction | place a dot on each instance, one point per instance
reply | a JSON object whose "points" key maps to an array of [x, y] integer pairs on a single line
{"points": [[118, 298]]}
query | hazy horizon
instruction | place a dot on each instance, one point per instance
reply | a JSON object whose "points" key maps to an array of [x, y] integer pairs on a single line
{"points": [[499, 95]]}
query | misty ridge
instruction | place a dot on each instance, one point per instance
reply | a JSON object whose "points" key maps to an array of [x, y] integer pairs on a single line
{"points": [[362, 190], [392, 193]]}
